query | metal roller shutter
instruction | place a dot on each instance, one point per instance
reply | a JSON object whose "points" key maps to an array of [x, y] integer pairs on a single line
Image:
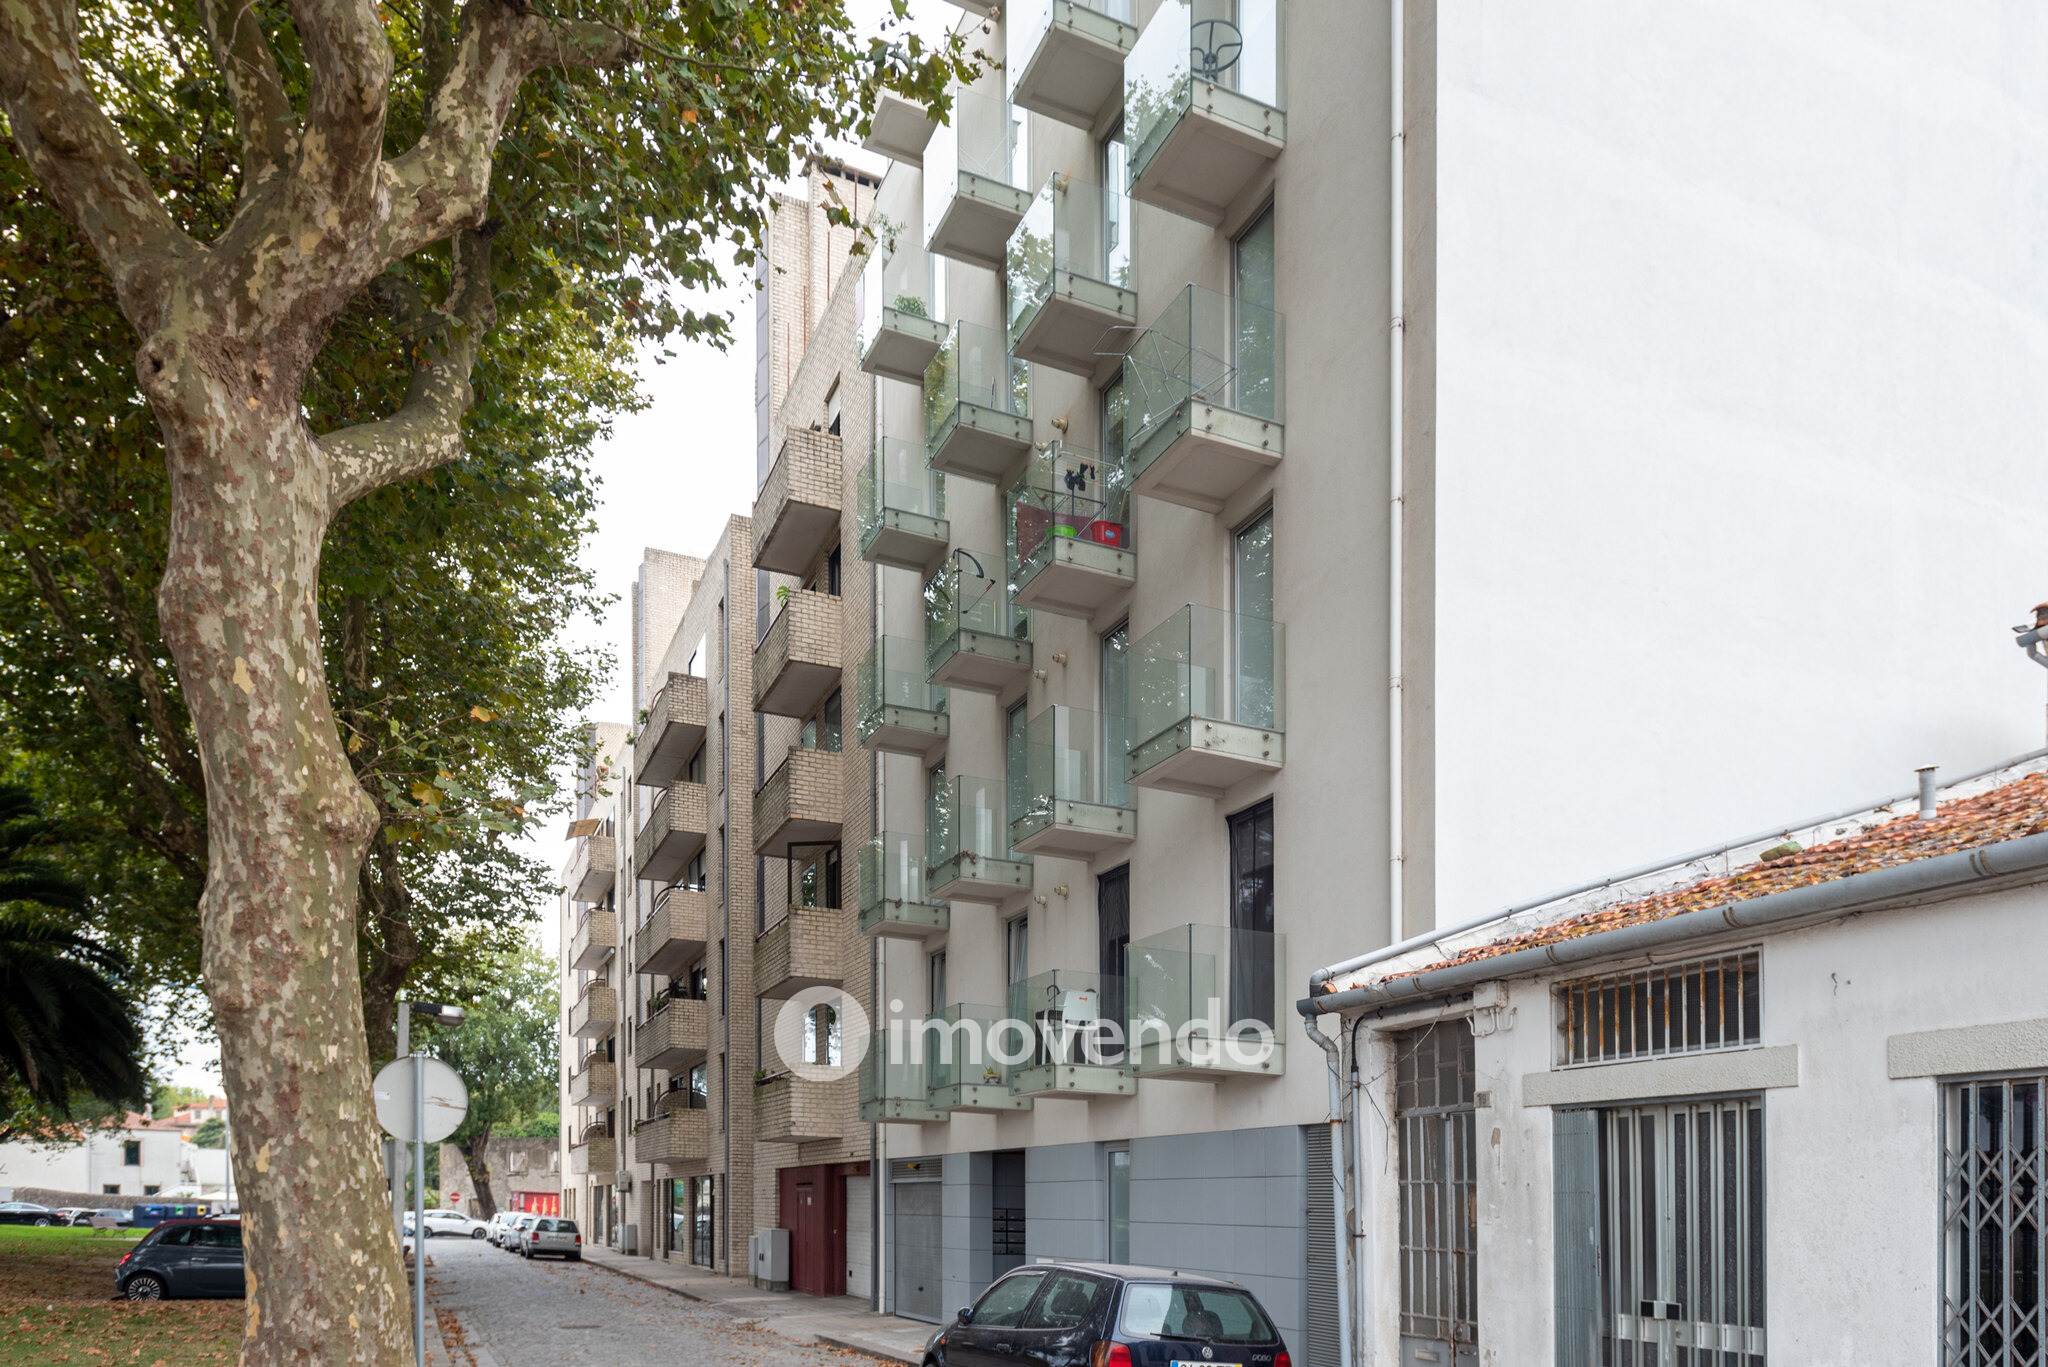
{"points": [[1322, 1348]]}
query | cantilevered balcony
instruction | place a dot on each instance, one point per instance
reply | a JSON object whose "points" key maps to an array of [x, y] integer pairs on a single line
{"points": [[1206, 1002], [796, 514], [1205, 399], [597, 935], [673, 732], [1065, 58], [805, 949], [793, 1110], [961, 1068], [896, 709], [678, 1134], [898, 129], [676, 932], [1076, 1037], [595, 1014], [967, 843], [597, 1155], [892, 1082], [1068, 268], [591, 867], [1072, 798], [1208, 702], [899, 332], [595, 1083], [901, 509], [800, 802], [678, 823], [1070, 548], [894, 901], [676, 1035], [797, 662], [977, 406], [973, 168], [1203, 103], [973, 638]]}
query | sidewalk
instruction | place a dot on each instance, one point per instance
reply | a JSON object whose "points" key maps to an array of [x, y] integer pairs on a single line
{"points": [[839, 1321]]}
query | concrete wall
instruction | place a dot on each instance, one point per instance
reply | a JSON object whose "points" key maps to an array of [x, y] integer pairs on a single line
{"points": [[1852, 1152]]}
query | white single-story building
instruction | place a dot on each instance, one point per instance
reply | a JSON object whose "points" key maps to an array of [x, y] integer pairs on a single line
{"points": [[1782, 1101]]}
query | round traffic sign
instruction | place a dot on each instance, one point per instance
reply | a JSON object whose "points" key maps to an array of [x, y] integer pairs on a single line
{"points": [[447, 1099]]}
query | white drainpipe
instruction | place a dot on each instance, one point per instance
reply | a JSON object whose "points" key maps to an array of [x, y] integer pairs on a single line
{"points": [[1397, 479]]}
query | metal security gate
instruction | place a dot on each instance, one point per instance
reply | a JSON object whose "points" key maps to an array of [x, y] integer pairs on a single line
{"points": [[1682, 1234], [914, 1239], [1994, 1218], [1433, 1112]]}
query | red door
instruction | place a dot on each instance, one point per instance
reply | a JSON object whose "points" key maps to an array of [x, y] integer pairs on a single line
{"points": [[814, 1213]]}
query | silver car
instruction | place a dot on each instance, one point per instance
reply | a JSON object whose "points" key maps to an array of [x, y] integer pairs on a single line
{"points": [[515, 1232], [549, 1237]]}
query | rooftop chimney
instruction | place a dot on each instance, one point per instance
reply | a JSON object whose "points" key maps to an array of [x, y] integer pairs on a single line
{"points": [[1927, 799]]}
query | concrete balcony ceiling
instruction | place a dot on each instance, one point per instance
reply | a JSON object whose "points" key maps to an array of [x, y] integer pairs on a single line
{"points": [[799, 804], [798, 661], [675, 729], [1202, 455], [597, 935], [676, 932], [678, 824], [903, 346], [977, 220], [1074, 72], [592, 868], [595, 1014], [898, 129], [1215, 150]]}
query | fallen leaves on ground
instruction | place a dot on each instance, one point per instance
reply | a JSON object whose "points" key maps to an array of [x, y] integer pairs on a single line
{"points": [[119, 1333]]}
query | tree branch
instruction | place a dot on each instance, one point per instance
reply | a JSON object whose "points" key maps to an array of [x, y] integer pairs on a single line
{"points": [[440, 185], [78, 156], [263, 111], [427, 430], [348, 67]]}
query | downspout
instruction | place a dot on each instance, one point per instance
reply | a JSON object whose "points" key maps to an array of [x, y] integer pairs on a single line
{"points": [[1397, 512], [722, 1234], [1340, 1188]]}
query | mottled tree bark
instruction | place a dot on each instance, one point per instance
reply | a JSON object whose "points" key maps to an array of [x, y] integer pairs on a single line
{"points": [[230, 329]]}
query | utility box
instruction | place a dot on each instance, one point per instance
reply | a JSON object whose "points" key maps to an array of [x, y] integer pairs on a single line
{"points": [[629, 1239], [770, 1256]]}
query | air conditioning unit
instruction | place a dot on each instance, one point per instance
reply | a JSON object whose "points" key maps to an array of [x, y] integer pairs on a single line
{"points": [[623, 1180]]}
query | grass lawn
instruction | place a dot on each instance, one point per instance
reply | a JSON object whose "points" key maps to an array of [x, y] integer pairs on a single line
{"points": [[54, 1308]]}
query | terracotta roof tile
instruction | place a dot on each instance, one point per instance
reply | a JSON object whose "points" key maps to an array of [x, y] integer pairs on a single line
{"points": [[2006, 813]]}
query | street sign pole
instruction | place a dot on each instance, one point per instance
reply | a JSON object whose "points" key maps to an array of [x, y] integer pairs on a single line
{"points": [[420, 1101], [394, 1150], [419, 1212]]}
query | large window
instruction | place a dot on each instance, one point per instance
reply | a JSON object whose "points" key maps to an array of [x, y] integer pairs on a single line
{"points": [[1255, 327], [1435, 1121], [1659, 1235], [702, 1247], [1017, 949], [1251, 915], [1688, 1008], [1994, 1218], [1113, 929], [1114, 709], [1257, 639]]}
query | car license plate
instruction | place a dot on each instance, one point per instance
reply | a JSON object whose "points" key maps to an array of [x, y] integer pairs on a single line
{"points": [[1179, 1362]]}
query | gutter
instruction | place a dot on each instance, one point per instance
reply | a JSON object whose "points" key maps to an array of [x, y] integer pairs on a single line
{"points": [[1920, 880]]}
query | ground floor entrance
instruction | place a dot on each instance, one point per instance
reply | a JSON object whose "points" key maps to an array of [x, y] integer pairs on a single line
{"points": [[814, 1213], [917, 1190]]}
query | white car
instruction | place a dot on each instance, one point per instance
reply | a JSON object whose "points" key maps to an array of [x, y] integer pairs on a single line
{"points": [[516, 1231], [454, 1222], [495, 1230]]}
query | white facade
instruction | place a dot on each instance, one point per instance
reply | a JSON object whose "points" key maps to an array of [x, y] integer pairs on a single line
{"points": [[163, 1163]]}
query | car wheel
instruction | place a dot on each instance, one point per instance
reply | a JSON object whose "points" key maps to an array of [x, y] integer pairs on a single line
{"points": [[477, 1233], [144, 1286], [42, 1222]]}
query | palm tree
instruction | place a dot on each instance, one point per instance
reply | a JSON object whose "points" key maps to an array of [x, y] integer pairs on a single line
{"points": [[65, 1031]]}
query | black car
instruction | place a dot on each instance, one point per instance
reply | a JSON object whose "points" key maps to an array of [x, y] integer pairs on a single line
{"points": [[1107, 1315], [28, 1213], [184, 1258]]}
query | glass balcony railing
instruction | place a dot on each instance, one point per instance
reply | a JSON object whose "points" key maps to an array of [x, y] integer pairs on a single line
{"points": [[895, 899], [974, 168], [1071, 796], [1077, 1035], [1219, 59], [962, 1049], [893, 1084], [899, 327], [900, 508], [1064, 58], [897, 709], [1226, 356], [1068, 268], [973, 636], [1069, 543], [1208, 700], [1206, 1001], [977, 404], [967, 841]]}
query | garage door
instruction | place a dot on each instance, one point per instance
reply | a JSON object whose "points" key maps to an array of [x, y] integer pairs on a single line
{"points": [[914, 1241]]}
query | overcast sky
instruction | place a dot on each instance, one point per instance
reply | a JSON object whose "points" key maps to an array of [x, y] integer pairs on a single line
{"points": [[668, 477]]}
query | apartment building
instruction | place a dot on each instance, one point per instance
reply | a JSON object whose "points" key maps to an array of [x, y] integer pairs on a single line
{"points": [[1317, 446]]}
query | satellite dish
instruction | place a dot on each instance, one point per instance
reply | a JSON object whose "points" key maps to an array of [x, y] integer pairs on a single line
{"points": [[447, 1099]]}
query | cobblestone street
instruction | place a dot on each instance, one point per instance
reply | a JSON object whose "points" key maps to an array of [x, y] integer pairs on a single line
{"points": [[560, 1314]]}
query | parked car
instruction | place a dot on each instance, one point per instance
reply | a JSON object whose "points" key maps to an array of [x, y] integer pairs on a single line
{"points": [[549, 1237], [183, 1258], [1109, 1315], [441, 1222], [103, 1217], [28, 1213], [515, 1232], [494, 1229]]}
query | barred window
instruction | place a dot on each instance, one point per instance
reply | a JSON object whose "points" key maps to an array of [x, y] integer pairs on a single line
{"points": [[1437, 1123], [1993, 1218], [1690, 1008]]}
